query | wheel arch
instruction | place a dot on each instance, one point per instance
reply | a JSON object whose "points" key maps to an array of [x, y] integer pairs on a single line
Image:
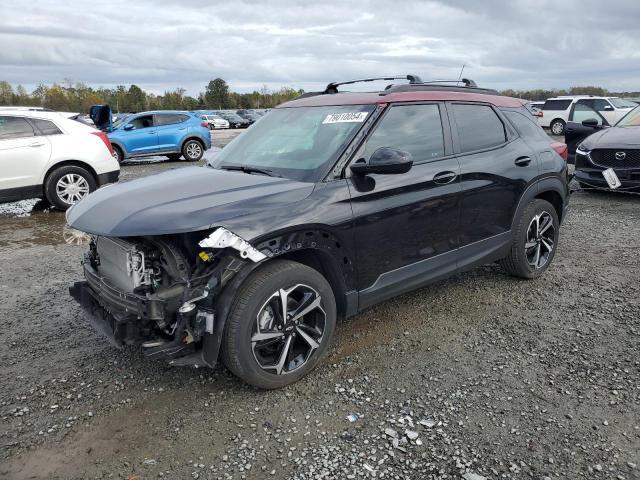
{"points": [[120, 145], [193, 137], [316, 248], [68, 163], [551, 189]]}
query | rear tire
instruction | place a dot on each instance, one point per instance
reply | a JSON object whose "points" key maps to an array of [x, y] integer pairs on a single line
{"points": [[68, 185], [117, 154], [535, 241], [557, 127], [289, 347], [192, 150]]}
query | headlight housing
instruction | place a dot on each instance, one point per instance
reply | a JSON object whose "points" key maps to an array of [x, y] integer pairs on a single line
{"points": [[582, 150]]}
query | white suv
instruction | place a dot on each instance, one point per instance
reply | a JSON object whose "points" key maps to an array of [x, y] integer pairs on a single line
{"points": [[44, 154], [555, 111]]}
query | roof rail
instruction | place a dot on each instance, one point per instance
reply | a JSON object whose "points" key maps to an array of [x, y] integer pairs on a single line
{"points": [[333, 86]]}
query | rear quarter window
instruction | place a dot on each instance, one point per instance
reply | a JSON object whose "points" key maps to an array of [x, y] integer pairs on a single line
{"points": [[46, 127], [525, 125], [479, 127], [556, 104]]}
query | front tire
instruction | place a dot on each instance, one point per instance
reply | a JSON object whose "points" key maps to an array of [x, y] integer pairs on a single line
{"points": [[67, 185], [535, 241], [557, 127], [280, 324], [192, 150]]}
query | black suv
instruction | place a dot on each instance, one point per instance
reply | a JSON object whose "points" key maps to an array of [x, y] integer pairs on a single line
{"points": [[330, 204]]}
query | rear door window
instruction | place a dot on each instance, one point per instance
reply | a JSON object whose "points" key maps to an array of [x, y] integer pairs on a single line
{"points": [[46, 127], [416, 129], [170, 119], [479, 127], [15, 127], [556, 104]]}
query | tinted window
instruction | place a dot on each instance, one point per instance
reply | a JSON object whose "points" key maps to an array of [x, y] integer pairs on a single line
{"points": [[46, 127], [525, 125], [145, 121], [478, 127], [14, 127], [170, 119], [599, 104], [556, 104], [416, 129]]}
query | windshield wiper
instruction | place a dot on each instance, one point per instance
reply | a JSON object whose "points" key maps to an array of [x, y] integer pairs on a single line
{"points": [[248, 169]]}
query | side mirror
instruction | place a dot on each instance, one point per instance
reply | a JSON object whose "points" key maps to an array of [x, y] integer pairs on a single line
{"points": [[384, 160], [608, 108], [590, 122], [128, 126]]}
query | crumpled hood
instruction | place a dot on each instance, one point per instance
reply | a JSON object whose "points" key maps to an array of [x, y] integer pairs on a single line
{"points": [[181, 200], [614, 137]]}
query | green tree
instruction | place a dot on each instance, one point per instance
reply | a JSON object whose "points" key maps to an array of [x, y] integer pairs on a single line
{"points": [[217, 94], [6, 93]]}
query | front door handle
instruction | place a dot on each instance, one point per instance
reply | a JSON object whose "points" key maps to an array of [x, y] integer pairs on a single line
{"points": [[522, 161], [36, 144], [444, 177], [152, 133]]}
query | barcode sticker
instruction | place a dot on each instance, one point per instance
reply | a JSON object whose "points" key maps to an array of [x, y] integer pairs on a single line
{"points": [[347, 117], [612, 179]]}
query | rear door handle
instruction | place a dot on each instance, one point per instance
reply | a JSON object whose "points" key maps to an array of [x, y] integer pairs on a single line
{"points": [[444, 177], [152, 133], [522, 161]]}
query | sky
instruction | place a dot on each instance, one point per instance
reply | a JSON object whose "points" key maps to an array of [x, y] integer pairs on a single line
{"points": [[165, 44]]}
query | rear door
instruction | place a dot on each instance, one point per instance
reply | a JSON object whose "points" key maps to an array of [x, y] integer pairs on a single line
{"points": [[406, 224], [172, 127], [496, 166], [576, 131], [139, 135], [23, 154]]}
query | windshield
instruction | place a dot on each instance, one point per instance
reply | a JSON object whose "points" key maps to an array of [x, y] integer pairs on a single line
{"points": [[298, 143], [631, 119], [620, 103], [120, 120]]}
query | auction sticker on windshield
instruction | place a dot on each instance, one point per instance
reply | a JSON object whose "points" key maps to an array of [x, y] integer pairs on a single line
{"points": [[347, 117]]}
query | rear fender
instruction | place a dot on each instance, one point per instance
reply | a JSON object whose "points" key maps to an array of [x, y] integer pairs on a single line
{"points": [[538, 189]]}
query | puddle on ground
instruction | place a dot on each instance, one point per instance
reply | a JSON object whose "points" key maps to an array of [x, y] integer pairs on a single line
{"points": [[29, 228]]}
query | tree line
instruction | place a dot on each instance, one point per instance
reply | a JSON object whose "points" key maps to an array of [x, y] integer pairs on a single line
{"points": [[216, 96], [79, 97]]}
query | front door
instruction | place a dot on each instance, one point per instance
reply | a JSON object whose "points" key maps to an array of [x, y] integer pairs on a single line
{"points": [[406, 224], [23, 155], [140, 135], [576, 131]]}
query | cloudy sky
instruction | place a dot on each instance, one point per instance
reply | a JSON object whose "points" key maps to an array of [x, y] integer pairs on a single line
{"points": [[163, 44]]}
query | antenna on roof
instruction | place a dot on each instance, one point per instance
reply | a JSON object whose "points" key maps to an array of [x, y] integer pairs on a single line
{"points": [[462, 70]]}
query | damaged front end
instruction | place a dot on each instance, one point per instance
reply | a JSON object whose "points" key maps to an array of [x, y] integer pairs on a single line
{"points": [[162, 292]]}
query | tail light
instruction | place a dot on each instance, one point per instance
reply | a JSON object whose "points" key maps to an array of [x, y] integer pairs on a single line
{"points": [[204, 124], [538, 114], [561, 149], [105, 139]]}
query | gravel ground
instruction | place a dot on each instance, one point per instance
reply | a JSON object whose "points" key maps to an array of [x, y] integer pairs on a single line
{"points": [[480, 376]]}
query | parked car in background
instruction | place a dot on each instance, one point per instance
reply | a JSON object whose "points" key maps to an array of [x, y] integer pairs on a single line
{"points": [[173, 134], [235, 120], [215, 121], [535, 108], [332, 203], [45, 155], [555, 111], [596, 146], [248, 115]]}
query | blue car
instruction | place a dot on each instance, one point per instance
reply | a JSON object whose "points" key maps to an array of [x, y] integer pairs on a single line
{"points": [[173, 134]]}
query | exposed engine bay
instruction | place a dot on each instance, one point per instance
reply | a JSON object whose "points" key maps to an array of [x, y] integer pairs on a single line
{"points": [[159, 291]]}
